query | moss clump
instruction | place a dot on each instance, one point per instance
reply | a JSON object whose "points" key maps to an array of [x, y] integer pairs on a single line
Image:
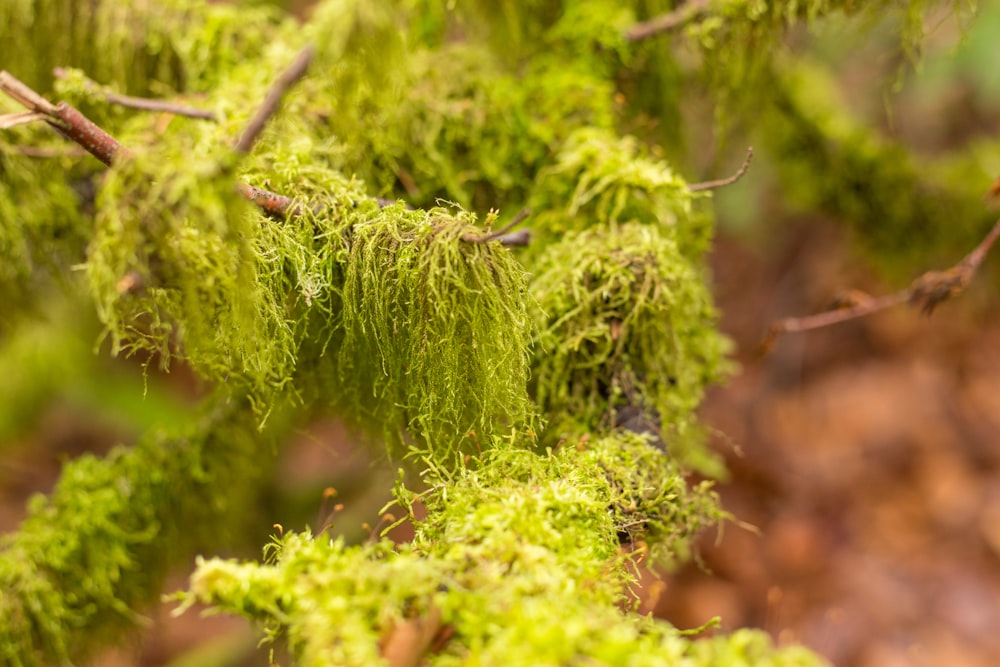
{"points": [[435, 328], [598, 179], [519, 554], [42, 235], [173, 270], [423, 114], [98, 547], [626, 323]]}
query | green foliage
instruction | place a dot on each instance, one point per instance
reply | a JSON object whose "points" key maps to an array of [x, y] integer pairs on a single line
{"points": [[98, 547], [180, 44], [42, 232], [435, 328], [896, 205], [170, 264]]}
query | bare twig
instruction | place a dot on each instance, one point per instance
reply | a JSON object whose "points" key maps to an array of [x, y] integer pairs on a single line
{"points": [[278, 89], [521, 216], [10, 120], [141, 103], [709, 185], [521, 237], [667, 22], [88, 134], [24, 95], [927, 292]]}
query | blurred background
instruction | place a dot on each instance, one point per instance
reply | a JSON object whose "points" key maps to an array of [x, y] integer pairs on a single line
{"points": [[864, 459]]}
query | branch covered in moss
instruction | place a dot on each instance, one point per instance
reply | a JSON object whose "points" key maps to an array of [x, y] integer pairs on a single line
{"points": [[519, 554], [91, 555]]}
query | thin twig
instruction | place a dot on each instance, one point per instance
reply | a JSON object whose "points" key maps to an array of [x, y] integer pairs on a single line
{"points": [[278, 89], [24, 95], [927, 292], [521, 237], [72, 124], [667, 22], [709, 185], [141, 103], [521, 216], [88, 134], [10, 120]]}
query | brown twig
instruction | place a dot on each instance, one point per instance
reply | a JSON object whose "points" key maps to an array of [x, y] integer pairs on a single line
{"points": [[927, 292], [86, 133], [521, 216], [72, 124], [278, 89], [77, 127], [10, 120], [24, 95], [709, 185], [141, 103], [667, 22], [408, 641]]}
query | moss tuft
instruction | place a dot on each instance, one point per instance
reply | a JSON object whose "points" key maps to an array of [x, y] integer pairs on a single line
{"points": [[626, 324]]}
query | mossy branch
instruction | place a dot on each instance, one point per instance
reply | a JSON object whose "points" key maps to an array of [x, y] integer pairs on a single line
{"points": [[518, 558], [89, 557]]}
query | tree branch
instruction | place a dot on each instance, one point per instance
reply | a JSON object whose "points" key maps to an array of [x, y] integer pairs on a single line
{"points": [[72, 124], [271, 103], [140, 103], [501, 233], [926, 292], [10, 120], [709, 185], [666, 22]]}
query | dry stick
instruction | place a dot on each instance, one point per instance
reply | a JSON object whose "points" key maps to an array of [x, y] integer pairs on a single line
{"points": [[10, 120], [709, 185], [521, 216], [667, 22], [278, 89], [141, 103], [927, 292]]}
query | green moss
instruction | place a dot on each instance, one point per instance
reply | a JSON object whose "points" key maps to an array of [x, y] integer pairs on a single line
{"points": [[519, 554], [43, 233], [598, 179], [90, 555], [831, 162], [181, 44], [625, 322]]}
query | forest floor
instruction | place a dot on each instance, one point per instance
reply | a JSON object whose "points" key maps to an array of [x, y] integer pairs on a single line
{"points": [[867, 456]]}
